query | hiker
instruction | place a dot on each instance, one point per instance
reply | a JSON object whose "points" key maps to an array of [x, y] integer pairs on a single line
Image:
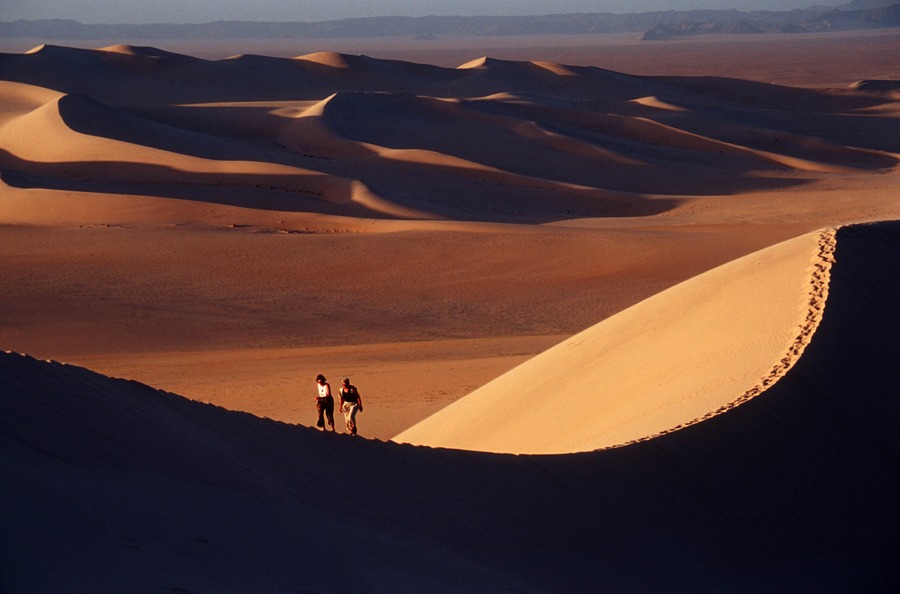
{"points": [[324, 403], [351, 403]]}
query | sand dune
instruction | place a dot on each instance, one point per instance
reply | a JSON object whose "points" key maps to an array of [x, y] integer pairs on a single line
{"points": [[99, 148], [793, 490], [578, 126], [375, 72], [662, 364]]}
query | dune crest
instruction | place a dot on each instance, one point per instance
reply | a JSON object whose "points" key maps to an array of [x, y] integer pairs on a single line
{"points": [[143, 51], [331, 59], [818, 295], [655, 103], [17, 99], [683, 356], [362, 195], [877, 85], [311, 132], [476, 63], [555, 68]]}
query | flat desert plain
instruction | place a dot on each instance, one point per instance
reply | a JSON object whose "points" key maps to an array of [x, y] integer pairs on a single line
{"points": [[623, 315]]}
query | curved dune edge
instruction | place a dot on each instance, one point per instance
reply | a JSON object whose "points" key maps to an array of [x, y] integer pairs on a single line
{"points": [[669, 362], [818, 294], [26, 135]]}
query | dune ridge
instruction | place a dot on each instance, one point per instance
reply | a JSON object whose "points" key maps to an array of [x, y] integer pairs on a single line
{"points": [[799, 480], [818, 296], [728, 329]]}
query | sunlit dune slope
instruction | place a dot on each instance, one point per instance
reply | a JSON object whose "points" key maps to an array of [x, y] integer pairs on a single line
{"points": [[793, 490], [664, 363], [494, 140]]}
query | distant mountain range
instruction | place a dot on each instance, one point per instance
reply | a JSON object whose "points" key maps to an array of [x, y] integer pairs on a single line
{"points": [[859, 14]]}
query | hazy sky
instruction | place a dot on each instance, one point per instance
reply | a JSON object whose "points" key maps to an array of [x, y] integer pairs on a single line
{"points": [[201, 11]]}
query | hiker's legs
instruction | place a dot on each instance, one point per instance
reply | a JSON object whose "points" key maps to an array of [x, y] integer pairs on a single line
{"points": [[352, 418], [320, 409], [350, 409], [329, 410]]}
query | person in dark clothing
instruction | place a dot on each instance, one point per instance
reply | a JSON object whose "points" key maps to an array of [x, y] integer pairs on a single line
{"points": [[351, 403]]}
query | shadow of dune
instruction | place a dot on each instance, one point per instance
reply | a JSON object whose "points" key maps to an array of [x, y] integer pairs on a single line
{"points": [[134, 78], [688, 171], [485, 200], [131, 77], [405, 122], [618, 160], [840, 139], [724, 91], [267, 192], [466, 194], [425, 188], [597, 150], [86, 115], [794, 490]]}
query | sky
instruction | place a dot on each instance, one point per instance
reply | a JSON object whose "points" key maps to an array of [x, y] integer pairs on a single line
{"points": [[203, 11]]}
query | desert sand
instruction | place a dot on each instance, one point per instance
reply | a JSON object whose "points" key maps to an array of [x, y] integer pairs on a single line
{"points": [[120, 486], [638, 324], [676, 358]]}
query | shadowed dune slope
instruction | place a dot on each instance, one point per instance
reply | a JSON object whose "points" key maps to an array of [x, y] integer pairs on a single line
{"points": [[660, 364], [121, 487]]}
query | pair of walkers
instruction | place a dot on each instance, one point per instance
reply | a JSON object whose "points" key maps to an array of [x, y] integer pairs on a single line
{"points": [[351, 403]]}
